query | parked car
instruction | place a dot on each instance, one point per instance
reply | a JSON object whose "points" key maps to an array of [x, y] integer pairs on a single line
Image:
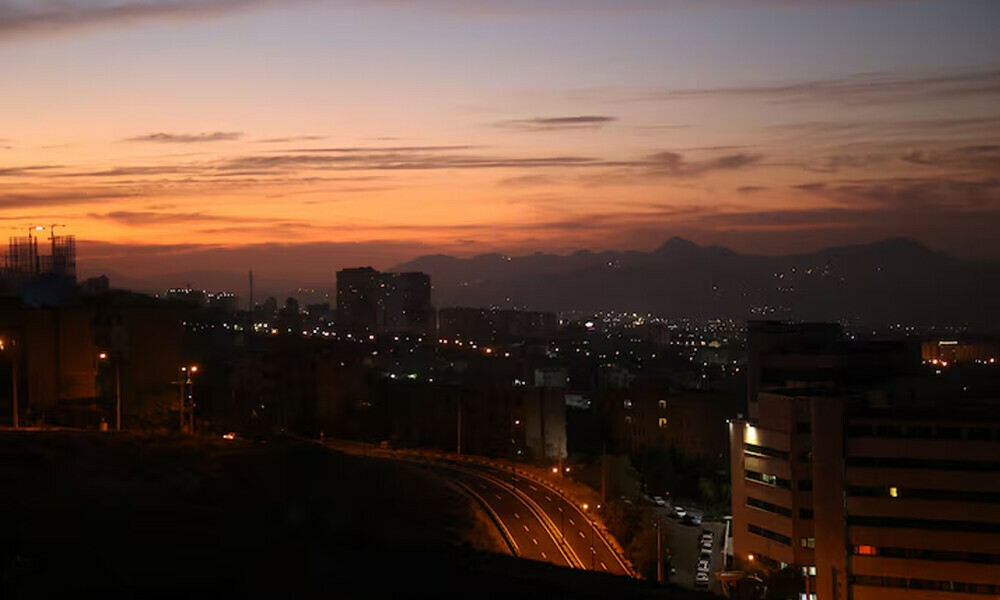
{"points": [[659, 501], [706, 546], [679, 512], [691, 519], [701, 579], [703, 565]]}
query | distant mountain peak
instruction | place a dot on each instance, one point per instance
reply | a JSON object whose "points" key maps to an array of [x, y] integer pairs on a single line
{"points": [[677, 243]]}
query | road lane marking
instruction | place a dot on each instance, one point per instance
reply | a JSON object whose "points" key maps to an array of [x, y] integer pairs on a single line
{"points": [[498, 496], [560, 509], [482, 485], [517, 516], [544, 555], [571, 522], [533, 487], [534, 540], [526, 528], [549, 499], [581, 534], [604, 566]]}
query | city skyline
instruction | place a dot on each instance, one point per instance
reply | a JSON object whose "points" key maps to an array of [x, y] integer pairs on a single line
{"points": [[366, 132]]}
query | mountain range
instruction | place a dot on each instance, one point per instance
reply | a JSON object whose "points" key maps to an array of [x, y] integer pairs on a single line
{"points": [[893, 281]]}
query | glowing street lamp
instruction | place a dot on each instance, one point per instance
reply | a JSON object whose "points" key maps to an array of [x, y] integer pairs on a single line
{"points": [[118, 388], [186, 397]]}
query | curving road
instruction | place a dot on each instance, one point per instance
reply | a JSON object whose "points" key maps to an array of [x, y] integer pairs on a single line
{"points": [[540, 523], [535, 520]]}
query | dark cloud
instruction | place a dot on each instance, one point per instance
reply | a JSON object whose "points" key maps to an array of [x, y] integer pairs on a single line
{"points": [[863, 88], [528, 181], [927, 195], [673, 164], [370, 149], [838, 162], [145, 218], [298, 138], [402, 160], [131, 171], [935, 126], [750, 189], [985, 158], [187, 138], [151, 217], [558, 123], [25, 171], [58, 198]]}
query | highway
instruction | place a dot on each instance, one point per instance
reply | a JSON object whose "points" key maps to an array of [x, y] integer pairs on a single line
{"points": [[540, 523], [535, 520]]}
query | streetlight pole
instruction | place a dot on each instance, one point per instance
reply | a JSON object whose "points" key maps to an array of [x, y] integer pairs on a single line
{"points": [[16, 420], [118, 396], [180, 410], [118, 387], [187, 384], [659, 548]]}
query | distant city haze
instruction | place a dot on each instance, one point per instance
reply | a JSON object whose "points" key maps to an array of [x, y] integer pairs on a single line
{"points": [[188, 141]]}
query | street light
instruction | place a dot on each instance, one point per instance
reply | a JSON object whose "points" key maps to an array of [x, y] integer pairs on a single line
{"points": [[593, 551], [186, 396], [118, 389]]}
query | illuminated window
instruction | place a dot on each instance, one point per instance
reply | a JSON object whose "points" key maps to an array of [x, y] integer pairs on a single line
{"points": [[808, 542], [627, 403], [809, 571], [865, 550], [894, 492], [663, 423]]}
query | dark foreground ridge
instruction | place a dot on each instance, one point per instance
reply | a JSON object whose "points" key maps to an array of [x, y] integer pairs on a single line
{"points": [[88, 515]]}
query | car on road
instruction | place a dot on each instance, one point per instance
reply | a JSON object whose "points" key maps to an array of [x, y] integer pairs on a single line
{"points": [[679, 512], [691, 519], [703, 565], [659, 501], [701, 579]]}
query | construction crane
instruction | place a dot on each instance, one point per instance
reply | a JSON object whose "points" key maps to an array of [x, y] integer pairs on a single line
{"points": [[37, 265], [52, 236]]}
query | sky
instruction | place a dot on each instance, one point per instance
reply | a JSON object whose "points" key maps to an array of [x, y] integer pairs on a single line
{"points": [[197, 139]]}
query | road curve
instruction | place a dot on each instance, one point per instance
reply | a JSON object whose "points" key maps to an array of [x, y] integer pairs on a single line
{"points": [[537, 521], [520, 520], [572, 523]]}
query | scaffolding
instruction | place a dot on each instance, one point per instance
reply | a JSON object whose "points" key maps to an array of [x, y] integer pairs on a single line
{"points": [[24, 260]]}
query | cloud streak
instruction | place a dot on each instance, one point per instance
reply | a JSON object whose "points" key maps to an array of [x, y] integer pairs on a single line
{"points": [[187, 138], [857, 89], [558, 123]]}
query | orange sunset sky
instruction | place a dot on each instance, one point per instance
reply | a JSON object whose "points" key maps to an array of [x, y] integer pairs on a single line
{"points": [[187, 139]]}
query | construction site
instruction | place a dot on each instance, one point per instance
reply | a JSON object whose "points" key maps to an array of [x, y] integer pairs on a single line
{"points": [[36, 255]]}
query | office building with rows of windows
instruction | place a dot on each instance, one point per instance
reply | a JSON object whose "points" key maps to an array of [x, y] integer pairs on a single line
{"points": [[871, 499]]}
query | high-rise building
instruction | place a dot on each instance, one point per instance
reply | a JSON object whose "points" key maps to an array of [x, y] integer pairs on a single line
{"points": [[370, 302], [876, 481], [871, 500]]}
